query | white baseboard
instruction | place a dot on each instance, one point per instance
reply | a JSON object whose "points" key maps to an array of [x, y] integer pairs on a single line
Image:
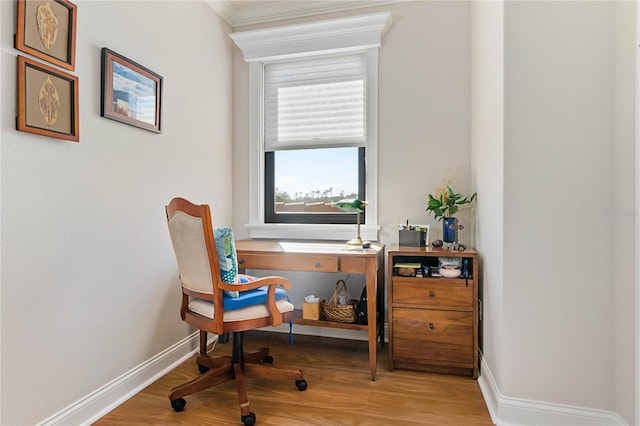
{"points": [[98, 403], [507, 411]]}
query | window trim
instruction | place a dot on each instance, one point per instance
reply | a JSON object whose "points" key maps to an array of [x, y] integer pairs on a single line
{"points": [[359, 33]]}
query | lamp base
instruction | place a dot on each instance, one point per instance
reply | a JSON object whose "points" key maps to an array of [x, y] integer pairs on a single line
{"points": [[356, 243]]}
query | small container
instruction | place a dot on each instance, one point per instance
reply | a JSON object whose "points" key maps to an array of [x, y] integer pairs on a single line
{"points": [[450, 272], [311, 311], [412, 238]]}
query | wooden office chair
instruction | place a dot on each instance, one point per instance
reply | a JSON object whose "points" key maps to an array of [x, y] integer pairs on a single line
{"points": [[206, 306]]}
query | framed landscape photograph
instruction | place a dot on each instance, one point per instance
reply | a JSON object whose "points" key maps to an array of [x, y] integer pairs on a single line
{"points": [[47, 101], [131, 93], [46, 29]]}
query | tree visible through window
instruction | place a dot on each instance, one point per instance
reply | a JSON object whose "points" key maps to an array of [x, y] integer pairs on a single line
{"points": [[304, 185]]}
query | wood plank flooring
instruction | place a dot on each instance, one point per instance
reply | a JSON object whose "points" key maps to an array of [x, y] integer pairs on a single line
{"points": [[339, 392]]}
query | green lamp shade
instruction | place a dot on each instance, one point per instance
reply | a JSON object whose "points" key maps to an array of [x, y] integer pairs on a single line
{"points": [[351, 205]]}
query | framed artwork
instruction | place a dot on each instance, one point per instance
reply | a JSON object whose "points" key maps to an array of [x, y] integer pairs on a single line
{"points": [[47, 101], [131, 93], [46, 29]]}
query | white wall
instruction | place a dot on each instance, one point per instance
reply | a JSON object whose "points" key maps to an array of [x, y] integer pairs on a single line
{"points": [[423, 122], [88, 277], [559, 327], [625, 216], [89, 282], [487, 147], [559, 116], [523, 101]]}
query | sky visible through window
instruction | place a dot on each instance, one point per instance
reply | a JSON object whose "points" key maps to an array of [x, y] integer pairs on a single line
{"points": [[317, 173]]}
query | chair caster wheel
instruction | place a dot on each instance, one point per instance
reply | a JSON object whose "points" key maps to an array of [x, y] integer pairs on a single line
{"points": [[268, 359], [301, 384], [202, 369], [249, 420], [178, 404]]}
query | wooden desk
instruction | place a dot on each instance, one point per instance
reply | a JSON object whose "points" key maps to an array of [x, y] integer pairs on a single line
{"points": [[325, 257]]}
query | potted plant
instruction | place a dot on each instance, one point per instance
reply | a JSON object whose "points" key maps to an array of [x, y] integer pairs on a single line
{"points": [[444, 206]]}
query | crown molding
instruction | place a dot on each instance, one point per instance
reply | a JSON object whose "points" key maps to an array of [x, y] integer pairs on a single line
{"points": [[280, 10], [222, 8], [334, 35]]}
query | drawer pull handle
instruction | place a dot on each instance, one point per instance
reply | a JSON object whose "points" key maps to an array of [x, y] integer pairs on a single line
{"points": [[432, 294], [240, 261], [432, 325], [317, 264]]}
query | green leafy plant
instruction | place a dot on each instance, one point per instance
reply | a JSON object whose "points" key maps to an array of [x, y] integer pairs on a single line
{"points": [[447, 203]]}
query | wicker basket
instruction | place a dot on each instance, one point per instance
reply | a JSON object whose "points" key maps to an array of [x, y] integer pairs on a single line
{"points": [[331, 311]]}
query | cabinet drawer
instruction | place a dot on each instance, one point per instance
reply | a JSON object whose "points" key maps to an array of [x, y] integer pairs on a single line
{"points": [[426, 336], [431, 293], [311, 263]]}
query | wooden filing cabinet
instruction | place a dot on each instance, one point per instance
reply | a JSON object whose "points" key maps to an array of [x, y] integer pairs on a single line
{"points": [[433, 321]]}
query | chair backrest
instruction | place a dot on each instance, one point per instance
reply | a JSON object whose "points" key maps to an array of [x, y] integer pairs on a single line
{"points": [[193, 243]]}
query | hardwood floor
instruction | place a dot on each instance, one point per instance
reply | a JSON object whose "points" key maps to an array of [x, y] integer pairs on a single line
{"points": [[339, 393]]}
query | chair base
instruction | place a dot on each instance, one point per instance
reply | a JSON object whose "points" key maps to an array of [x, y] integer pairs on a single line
{"points": [[238, 367]]}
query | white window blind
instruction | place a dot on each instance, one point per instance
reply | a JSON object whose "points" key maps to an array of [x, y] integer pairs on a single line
{"points": [[315, 102]]}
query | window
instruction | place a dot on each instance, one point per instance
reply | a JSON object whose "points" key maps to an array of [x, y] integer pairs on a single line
{"points": [[315, 138], [302, 185], [312, 102]]}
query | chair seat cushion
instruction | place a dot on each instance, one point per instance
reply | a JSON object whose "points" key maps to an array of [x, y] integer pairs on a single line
{"points": [[251, 297], [250, 304]]}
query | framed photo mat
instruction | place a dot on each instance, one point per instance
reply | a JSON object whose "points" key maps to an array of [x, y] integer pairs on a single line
{"points": [[46, 29], [131, 93], [47, 101]]}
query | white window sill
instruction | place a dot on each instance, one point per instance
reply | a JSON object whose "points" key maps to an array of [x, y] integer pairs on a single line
{"points": [[312, 231]]}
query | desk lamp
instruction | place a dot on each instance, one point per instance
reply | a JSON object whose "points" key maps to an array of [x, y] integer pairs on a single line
{"points": [[353, 206]]}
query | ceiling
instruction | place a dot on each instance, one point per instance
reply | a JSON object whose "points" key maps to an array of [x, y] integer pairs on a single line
{"points": [[248, 12]]}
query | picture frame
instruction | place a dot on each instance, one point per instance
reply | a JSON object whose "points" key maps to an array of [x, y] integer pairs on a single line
{"points": [[131, 93], [46, 29], [47, 101]]}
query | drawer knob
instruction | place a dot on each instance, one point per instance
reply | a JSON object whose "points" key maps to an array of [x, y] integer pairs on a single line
{"points": [[240, 261], [432, 325], [432, 294], [317, 264]]}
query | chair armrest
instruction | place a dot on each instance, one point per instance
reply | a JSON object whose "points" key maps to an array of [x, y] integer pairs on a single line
{"points": [[272, 282], [260, 282]]}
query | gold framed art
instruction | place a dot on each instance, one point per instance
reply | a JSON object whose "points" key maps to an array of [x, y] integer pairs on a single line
{"points": [[47, 101], [46, 29]]}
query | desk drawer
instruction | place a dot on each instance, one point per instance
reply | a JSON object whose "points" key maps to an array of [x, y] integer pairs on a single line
{"points": [[426, 336], [312, 263], [430, 293]]}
